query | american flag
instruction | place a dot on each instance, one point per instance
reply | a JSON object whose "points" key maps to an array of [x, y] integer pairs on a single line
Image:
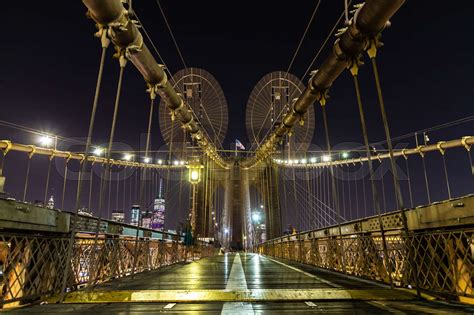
{"points": [[239, 145]]}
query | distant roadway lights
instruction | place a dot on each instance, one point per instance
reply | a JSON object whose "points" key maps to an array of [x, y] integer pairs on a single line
{"points": [[304, 161], [345, 155], [160, 162], [312, 160], [326, 158], [147, 160], [176, 162], [127, 156]]}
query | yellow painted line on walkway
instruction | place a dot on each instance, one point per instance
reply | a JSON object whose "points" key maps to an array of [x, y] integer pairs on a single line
{"points": [[251, 295]]}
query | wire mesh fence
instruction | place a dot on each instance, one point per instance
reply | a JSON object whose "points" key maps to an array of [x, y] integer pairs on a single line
{"points": [[33, 266], [438, 261]]}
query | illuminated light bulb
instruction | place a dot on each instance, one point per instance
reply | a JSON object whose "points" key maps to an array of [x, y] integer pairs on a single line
{"points": [[46, 141], [98, 151], [326, 158], [313, 160], [160, 162], [194, 175], [127, 157]]}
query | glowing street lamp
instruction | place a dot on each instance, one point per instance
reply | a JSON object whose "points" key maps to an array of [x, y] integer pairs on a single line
{"points": [[194, 176], [46, 141], [147, 160], [127, 157], [326, 158], [345, 155], [313, 160], [195, 173]]}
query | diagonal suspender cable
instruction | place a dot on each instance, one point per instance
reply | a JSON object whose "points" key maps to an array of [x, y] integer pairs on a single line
{"points": [[171, 32], [331, 32], [302, 37]]}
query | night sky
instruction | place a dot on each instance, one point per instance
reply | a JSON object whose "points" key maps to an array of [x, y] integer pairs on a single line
{"points": [[50, 61]]}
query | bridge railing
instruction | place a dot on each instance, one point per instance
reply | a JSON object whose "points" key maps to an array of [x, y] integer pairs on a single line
{"points": [[33, 258], [436, 255]]}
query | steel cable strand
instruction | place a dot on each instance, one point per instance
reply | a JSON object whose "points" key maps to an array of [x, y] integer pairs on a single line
{"points": [[105, 44]]}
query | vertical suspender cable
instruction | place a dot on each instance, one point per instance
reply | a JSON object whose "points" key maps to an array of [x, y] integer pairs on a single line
{"points": [[409, 180], [91, 181], [343, 193], [372, 51], [398, 193], [143, 179], [108, 152], [105, 43], [66, 162], [333, 185], [47, 179], [382, 184], [375, 195], [356, 195], [125, 175], [445, 169]]}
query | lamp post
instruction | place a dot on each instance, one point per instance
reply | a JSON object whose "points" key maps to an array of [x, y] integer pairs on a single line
{"points": [[194, 176], [256, 219]]}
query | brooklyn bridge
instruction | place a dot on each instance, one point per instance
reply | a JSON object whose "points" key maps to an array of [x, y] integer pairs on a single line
{"points": [[133, 182]]}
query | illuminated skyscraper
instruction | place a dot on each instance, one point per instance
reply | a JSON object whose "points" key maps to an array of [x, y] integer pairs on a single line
{"points": [[146, 219], [158, 216], [135, 215], [118, 216]]}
